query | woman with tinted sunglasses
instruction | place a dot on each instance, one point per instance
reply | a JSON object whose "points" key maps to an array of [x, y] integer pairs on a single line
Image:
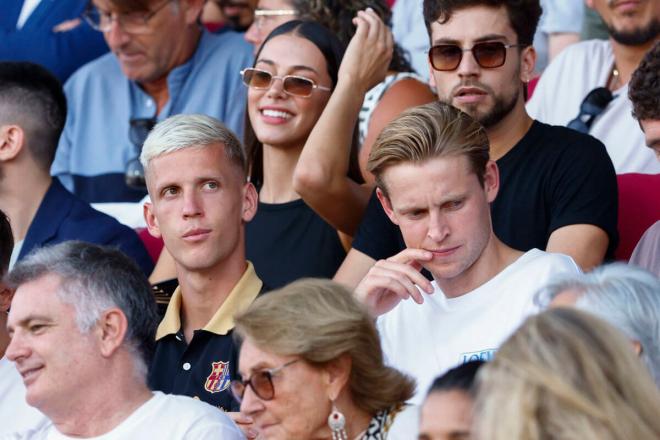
{"points": [[312, 368], [289, 85]]}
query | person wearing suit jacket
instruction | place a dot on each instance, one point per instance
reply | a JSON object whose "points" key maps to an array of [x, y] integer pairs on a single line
{"points": [[49, 33], [41, 211]]}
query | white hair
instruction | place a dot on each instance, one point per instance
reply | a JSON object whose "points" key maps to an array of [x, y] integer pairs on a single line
{"points": [[627, 297], [180, 132]]}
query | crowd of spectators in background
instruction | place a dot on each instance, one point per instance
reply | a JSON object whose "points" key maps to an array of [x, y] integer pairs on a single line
{"points": [[330, 219]]}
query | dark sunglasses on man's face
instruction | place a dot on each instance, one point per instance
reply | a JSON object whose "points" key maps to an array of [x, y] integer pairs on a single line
{"points": [[488, 55], [291, 84], [261, 383]]}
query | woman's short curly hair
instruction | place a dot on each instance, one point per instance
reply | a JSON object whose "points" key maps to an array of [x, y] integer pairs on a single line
{"points": [[644, 88]]}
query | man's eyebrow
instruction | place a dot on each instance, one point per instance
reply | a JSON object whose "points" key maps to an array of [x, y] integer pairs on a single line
{"points": [[489, 37], [25, 321]]}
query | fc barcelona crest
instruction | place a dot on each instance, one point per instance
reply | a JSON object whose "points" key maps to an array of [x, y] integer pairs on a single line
{"points": [[219, 379]]}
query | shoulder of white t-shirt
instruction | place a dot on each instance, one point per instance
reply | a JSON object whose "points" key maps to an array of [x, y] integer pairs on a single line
{"points": [[550, 260], [590, 50]]}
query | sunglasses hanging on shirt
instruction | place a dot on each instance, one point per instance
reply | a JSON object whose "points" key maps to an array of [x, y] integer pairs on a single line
{"points": [[592, 106], [138, 132]]}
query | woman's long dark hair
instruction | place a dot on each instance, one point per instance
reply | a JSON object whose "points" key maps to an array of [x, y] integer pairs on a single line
{"points": [[332, 51]]}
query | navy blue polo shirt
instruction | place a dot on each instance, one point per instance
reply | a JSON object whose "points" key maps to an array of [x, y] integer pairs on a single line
{"points": [[203, 368]]}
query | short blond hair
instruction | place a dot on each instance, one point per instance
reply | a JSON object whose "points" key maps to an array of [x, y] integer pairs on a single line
{"points": [[180, 132], [566, 374], [320, 320], [427, 132]]}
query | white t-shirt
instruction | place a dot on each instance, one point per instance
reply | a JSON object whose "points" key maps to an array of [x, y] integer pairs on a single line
{"points": [[164, 416], [575, 72], [426, 340], [410, 33], [15, 414]]}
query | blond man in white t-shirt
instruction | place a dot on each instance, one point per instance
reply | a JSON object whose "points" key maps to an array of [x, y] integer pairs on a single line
{"points": [[435, 181]]}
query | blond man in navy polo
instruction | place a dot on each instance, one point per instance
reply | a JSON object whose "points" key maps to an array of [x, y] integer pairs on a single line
{"points": [[200, 201]]}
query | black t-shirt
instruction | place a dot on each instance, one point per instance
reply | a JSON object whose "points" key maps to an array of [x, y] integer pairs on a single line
{"points": [[553, 177], [289, 241]]}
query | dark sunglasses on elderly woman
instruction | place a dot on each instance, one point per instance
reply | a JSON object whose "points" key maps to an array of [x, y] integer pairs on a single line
{"points": [[291, 84], [488, 55], [261, 383]]}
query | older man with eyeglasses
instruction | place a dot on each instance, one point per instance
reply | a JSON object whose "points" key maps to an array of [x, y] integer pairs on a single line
{"points": [[162, 63]]}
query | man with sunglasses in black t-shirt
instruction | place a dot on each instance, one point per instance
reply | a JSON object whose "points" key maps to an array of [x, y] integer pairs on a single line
{"points": [[558, 187]]}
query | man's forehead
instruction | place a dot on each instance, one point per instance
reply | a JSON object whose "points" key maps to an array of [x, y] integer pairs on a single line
{"points": [[440, 178], [204, 161], [211, 156], [36, 296], [473, 24]]}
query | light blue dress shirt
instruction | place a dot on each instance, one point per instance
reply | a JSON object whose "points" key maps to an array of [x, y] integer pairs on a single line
{"points": [[95, 145]]}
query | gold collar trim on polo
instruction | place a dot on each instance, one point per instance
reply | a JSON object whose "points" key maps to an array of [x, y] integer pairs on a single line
{"points": [[239, 299]]}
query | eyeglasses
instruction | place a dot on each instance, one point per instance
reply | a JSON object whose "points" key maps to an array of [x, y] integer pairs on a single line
{"points": [[131, 22], [489, 55], [138, 132], [291, 84], [592, 106], [262, 15], [261, 383]]}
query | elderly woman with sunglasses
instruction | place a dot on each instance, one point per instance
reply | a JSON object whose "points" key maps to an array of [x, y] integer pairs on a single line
{"points": [[312, 368]]}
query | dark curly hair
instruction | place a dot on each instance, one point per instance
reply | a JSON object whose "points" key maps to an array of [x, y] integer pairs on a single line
{"points": [[644, 87], [523, 14], [337, 15]]}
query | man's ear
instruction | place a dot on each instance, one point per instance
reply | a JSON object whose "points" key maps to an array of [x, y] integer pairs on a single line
{"points": [[491, 181], [111, 328], [387, 205], [6, 294], [250, 202], [337, 373], [432, 78], [527, 64], [12, 140], [151, 220]]}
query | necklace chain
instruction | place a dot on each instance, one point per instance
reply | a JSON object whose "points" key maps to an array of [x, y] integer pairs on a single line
{"points": [[615, 78]]}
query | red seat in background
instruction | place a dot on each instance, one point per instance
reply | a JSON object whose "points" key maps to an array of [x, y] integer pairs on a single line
{"points": [[639, 208], [154, 245]]}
